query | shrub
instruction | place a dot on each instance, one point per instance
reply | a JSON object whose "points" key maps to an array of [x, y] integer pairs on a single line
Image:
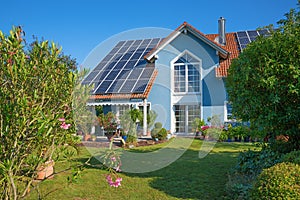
{"points": [[238, 186], [159, 132], [131, 139], [197, 124], [162, 134], [158, 125], [293, 157], [223, 135], [212, 133], [282, 181], [252, 162]]}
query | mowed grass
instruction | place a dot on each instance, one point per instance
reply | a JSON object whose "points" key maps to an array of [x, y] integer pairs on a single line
{"points": [[187, 178]]}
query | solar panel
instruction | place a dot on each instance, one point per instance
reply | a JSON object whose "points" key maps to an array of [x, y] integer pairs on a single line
{"points": [[252, 33], [140, 85], [115, 87], [244, 41], [121, 69], [242, 34], [127, 86], [103, 87], [112, 75], [147, 72], [263, 32], [135, 73], [245, 37]]}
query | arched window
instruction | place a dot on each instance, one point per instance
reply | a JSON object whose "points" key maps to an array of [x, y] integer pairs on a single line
{"points": [[186, 74]]}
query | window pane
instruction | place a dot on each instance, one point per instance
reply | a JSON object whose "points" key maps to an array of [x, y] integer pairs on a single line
{"points": [[193, 78], [193, 112], [180, 118], [179, 78]]}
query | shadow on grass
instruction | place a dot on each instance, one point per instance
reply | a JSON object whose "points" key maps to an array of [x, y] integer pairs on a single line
{"points": [[192, 178]]}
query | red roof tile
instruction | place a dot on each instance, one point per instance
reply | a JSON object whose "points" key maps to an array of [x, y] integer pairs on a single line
{"points": [[232, 47]]}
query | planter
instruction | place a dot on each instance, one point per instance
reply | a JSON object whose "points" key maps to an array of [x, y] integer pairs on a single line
{"points": [[46, 170], [86, 137], [94, 139], [109, 135], [124, 137]]}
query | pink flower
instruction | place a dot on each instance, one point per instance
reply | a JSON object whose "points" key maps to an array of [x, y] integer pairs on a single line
{"points": [[61, 119], [117, 183], [205, 127], [113, 159], [65, 126], [118, 169]]}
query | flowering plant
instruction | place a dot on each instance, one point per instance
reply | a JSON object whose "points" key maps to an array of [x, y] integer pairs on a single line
{"points": [[111, 159], [108, 122]]}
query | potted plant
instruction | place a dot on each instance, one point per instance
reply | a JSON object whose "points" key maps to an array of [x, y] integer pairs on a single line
{"points": [[123, 135], [197, 126], [108, 122], [94, 138], [151, 117]]}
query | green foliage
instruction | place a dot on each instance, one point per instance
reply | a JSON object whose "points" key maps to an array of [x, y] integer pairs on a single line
{"points": [[293, 157], [129, 126], [131, 139], [238, 132], [197, 123], [108, 121], [281, 181], [136, 115], [253, 162], [158, 125], [84, 118], [264, 82], [159, 132], [223, 135], [238, 187], [212, 133], [36, 90], [151, 116]]}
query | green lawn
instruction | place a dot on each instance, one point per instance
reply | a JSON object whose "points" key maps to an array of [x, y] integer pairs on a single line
{"points": [[187, 178]]}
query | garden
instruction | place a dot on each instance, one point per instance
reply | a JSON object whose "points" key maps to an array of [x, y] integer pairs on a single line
{"points": [[43, 110]]}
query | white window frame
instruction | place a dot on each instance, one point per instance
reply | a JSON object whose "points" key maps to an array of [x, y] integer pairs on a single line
{"points": [[173, 64]]}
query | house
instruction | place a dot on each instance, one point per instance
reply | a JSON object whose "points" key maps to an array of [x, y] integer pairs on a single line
{"points": [[180, 77]]}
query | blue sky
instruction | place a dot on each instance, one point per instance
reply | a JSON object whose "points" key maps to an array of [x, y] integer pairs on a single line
{"points": [[80, 25]]}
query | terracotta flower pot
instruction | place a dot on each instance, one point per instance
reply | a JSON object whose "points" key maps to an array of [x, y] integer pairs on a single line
{"points": [[87, 137], [46, 170]]}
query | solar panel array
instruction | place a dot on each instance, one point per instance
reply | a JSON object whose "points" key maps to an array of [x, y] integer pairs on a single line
{"points": [[245, 37], [124, 69]]}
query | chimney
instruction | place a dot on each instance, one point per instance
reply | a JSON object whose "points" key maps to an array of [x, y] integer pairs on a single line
{"points": [[222, 37]]}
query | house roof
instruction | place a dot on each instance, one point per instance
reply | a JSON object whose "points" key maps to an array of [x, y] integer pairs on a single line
{"points": [[128, 71], [129, 95], [123, 73], [182, 29], [232, 47]]}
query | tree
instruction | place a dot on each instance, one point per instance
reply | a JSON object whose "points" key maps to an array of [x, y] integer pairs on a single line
{"points": [[36, 92], [264, 81]]}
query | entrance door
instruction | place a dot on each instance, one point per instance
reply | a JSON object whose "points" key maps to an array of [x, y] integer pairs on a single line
{"points": [[185, 115]]}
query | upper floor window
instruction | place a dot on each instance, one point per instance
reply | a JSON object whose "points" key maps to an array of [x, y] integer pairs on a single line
{"points": [[186, 74]]}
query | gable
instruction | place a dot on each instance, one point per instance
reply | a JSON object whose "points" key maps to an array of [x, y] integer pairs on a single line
{"points": [[186, 28]]}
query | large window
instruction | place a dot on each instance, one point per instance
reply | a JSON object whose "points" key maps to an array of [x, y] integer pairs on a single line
{"points": [[186, 74], [185, 115]]}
